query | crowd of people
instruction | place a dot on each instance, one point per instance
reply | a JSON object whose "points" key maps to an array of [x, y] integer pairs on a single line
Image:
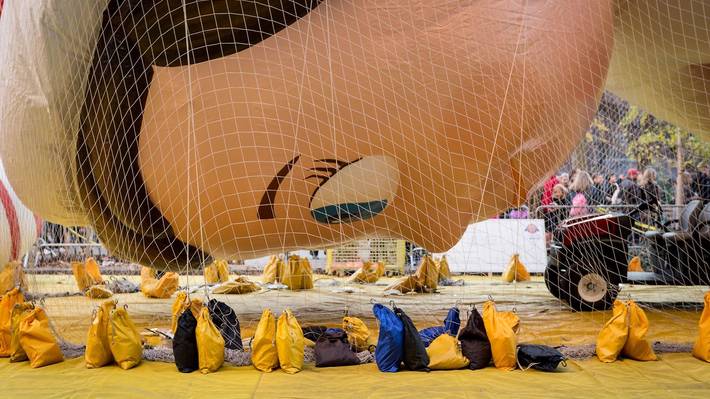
{"points": [[579, 193]]}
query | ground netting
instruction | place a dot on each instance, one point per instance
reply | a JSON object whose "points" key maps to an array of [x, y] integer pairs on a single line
{"points": [[177, 134]]}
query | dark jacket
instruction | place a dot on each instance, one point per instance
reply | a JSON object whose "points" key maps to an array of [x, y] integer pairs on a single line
{"points": [[630, 192]]}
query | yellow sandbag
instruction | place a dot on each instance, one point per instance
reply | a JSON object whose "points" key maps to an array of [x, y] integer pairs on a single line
{"points": [[443, 267], [406, 284], [445, 354], [124, 340], [222, 270], [637, 347], [7, 303], [17, 354], [501, 336], [358, 333], [701, 349], [179, 306], [240, 285], [515, 271], [217, 272], [308, 343], [98, 350], [12, 276], [196, 306], [83, 280], [92, 269], [147, 273], [210, 344], [511, 319], [427, 275], [289, 343], [163, 288], [612, 337], [264, 355], [37, 340], [99, 292], [635, 264], [273, 271], [297, 275], [369, 273]]}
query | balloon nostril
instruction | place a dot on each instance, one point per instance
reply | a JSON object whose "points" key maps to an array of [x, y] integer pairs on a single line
{"points": [[348, 212]]}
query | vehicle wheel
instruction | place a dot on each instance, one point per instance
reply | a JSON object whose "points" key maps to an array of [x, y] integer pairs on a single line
{"points": [[589, 290], [555, 283]]}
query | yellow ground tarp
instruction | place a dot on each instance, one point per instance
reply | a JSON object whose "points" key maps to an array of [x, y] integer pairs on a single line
{"points": [[675, 375]]}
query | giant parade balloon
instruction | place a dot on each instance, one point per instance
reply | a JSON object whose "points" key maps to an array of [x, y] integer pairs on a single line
{"points": [[184, 130]]}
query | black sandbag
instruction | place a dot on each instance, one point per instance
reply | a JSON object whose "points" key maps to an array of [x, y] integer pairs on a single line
{"points": [[474, 342], [313, 332], [185, 344], [539, 357], [415, 357], [332, 350], [226, 321]]}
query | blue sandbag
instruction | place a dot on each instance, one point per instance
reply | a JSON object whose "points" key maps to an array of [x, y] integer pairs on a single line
{"points": [[429, 334], [452, 321], [451, 326], [390, 343]]}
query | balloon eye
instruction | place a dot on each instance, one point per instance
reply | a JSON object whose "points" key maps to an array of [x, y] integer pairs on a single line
{"points": [[353, 191], [348, 212]]}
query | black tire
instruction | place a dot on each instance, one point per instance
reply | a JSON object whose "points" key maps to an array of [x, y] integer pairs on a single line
{"points": [[594, 272], [589, 290], [555, 283]]}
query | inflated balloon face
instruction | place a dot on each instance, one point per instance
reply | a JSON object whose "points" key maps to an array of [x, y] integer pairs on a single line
{"points": [[240, 128], [335, 120]]}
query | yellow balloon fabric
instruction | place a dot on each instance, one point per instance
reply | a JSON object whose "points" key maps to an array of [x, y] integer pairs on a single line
{"points": [[179, 306], [635, 264], [637, 347], [297, 275], [701, 349], [358, 333], [37, 340], [12, 276], [264, 355], [154, 288], [17, 354], [98, 350], [273, 271], [289, 343], [124, 340], [210, 344], [7, 303], [515, 271], [613, 336], [501, 336], [445, 354]]}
